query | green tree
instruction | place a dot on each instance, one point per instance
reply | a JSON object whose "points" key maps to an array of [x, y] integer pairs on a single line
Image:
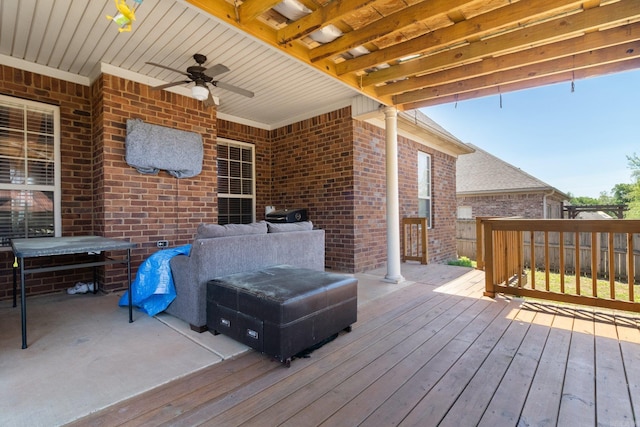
{"points": [[583, 201], [634, 193], [622, 194]]}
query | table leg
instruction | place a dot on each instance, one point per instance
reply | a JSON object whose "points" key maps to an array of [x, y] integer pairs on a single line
{"points": [[95, 277], [23, 303], [129, 277], [15, 281]]}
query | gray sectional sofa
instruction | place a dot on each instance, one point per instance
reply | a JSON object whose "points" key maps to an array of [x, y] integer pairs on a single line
{"points": [[235, 248]]}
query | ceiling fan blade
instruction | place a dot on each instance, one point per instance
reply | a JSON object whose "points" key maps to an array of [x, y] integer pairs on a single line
{"points": [[166, 85], [209, 102], [215, 70], [231, 88], [167, 68]]}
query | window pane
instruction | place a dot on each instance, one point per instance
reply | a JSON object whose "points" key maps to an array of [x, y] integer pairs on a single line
{"points": [[223, 167], [234, 153], [235, 177], [424, 210], [40, 173], [28, 147], [25, 214], [424, 175], [40, 122], [235, 186], [223, 185], [234, 169]]}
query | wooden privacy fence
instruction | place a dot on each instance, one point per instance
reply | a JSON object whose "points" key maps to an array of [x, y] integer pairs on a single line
{"points": [[579, 251], [466, 238], [414, 236]]}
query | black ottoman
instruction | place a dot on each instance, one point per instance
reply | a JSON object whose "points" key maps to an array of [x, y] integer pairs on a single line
{"points": [[281, 310]]}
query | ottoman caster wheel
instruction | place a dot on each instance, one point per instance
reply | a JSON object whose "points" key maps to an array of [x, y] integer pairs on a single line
{"points": [[348, 329], [287, 363]]}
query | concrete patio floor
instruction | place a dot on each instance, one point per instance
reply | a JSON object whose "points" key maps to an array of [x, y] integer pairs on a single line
{"points": [[84, 356]]}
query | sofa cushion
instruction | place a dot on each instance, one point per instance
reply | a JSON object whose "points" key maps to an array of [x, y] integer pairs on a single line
{"points": [[289, 226], [206, 231]]}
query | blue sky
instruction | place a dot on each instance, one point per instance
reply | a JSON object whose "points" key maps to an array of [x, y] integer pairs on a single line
{"points": [[575, 141]]}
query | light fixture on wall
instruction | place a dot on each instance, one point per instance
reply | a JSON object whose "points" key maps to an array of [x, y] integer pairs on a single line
{"points": [[200, 92]]}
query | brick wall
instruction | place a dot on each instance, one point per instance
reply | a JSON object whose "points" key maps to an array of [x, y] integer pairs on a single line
{"points": [[370, 248], [313, 169], [330, 164], [441, 236], [526, 205], [76, 166], [148, 208]]}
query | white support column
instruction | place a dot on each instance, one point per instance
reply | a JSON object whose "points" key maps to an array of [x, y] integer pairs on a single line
{"points": [[393, 207]]}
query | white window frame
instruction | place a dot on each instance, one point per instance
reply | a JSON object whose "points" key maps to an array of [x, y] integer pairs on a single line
{"points": [[27, 105], [424, 188], [465, 212], [252, 196]]}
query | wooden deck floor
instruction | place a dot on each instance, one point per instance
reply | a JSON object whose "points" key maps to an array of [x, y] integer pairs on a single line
{"points": [[422, 356]]}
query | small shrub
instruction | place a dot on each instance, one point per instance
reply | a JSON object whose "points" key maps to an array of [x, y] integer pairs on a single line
{"points": [[462, 262]]}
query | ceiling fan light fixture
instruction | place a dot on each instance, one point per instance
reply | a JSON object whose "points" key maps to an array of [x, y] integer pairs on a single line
{"points": [[200, 92]]}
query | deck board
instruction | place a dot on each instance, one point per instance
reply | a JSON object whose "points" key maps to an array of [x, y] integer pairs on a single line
{"points": [[543, 401], [424, 355], [577, 404], [612, 395]]}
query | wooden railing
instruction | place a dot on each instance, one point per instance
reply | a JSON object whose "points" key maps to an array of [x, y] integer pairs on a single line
{"points": [[544, 259], [414, 247]]}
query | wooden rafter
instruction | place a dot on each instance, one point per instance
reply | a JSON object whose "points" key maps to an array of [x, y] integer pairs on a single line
{"points": [[464, 48]]}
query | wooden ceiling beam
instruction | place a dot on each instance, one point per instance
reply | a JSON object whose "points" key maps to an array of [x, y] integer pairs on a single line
{"points": [[563, 77], [595, 58], [567, 26], [476, 27], [321, 17], [384, 26], [251, 9], [256, 28], [588, 42]]}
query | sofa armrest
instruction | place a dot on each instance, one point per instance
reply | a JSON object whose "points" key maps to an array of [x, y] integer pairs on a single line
{"points": [[186, 282]]}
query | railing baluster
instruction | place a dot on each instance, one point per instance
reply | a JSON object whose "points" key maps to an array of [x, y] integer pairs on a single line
{"points": [[533, 260], [577, 245], [595, 248], [546, 260], [612, 267], [561, 262], [631, 274], [520, 267]]}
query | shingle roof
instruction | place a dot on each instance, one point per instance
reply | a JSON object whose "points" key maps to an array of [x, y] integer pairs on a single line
{"points": [[481, 172]]}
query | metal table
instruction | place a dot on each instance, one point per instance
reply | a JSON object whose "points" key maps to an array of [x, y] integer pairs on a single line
{"points": [[51, 246]]}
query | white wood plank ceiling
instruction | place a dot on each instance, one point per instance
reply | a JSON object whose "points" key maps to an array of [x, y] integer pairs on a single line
{"points": [[72, 38]]}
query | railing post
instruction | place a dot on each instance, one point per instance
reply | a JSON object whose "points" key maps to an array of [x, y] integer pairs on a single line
{"points": [[479, 243], [488, 260]]}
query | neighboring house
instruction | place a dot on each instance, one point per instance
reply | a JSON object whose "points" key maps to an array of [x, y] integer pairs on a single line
{"points": [[488, 186], [333, 164], [594, 215]]}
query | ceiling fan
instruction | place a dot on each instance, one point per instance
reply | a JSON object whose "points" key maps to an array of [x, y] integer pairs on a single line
{"points": [[202, 76]]}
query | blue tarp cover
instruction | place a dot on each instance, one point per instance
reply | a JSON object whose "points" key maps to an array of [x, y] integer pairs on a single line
{"points": [[153, 289]]}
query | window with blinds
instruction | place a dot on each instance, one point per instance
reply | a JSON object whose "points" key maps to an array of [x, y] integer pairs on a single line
{"points": [[29, 169], [424, 187], [236, 183]]}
